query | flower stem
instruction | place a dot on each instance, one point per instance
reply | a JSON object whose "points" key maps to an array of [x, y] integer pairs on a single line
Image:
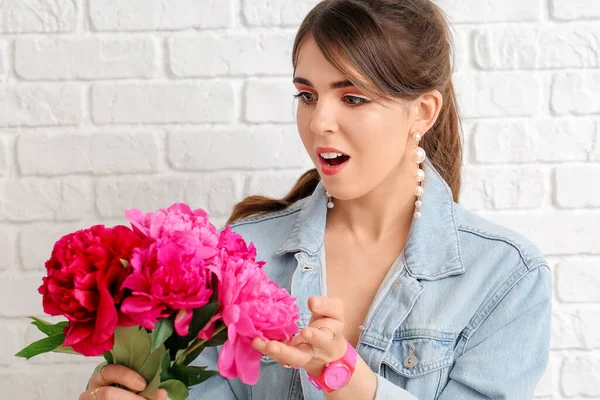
{"points": [[198, 344]]}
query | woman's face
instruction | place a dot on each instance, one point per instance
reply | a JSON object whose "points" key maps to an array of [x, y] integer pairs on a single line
{"points": [[373, 136]]}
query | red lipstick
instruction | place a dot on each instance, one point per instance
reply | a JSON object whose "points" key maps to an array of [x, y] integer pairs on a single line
{"points": [[331, 166]]}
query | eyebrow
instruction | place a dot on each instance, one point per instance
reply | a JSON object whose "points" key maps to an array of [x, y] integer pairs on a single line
{"points": [[334, 85]]}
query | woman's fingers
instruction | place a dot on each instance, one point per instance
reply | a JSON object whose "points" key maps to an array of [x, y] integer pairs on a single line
{"points": [[109, 393], [325, 307], [113, 393], [319, 342], [283, 353], [297, 352], [160, 395], [119, 374], [320, 338]]}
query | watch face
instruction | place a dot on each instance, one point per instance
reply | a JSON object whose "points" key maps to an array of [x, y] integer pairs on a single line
{"points": [[337, 376]]}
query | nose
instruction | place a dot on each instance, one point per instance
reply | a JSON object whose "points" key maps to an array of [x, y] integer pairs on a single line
{"points": [[324, 118]]}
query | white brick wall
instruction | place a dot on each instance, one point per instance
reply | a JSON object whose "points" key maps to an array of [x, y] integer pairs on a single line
{"points": [[106, 105]]}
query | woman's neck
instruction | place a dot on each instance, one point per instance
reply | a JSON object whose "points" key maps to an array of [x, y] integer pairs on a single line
{"points": [[385, 211]]}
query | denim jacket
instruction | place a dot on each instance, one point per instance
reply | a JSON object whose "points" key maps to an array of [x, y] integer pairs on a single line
{"points": [[470, 299]]}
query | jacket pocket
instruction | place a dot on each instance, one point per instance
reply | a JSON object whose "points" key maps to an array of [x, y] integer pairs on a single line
{"points": [[419, 364], [417, 356], [276, 382]]}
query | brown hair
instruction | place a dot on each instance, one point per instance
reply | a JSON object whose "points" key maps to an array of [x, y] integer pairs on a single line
{"points": [[404, 49]]}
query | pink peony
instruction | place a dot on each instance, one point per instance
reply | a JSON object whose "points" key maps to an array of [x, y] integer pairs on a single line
{"points": [[169, 276], [251, 306], [177, 219], [232, 247], [235, 246], [175, 274]]}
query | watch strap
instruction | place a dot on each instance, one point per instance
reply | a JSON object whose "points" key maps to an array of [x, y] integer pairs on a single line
{"points": [[349, 359]]}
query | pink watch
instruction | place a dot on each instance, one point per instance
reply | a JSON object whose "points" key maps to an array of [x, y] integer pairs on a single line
{"points": [[336, 374]]}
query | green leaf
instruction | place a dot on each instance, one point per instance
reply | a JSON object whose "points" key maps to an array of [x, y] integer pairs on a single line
{"points": [[165, 363], [99, 367], [48, 328], [162, 332], [150, 390], [215, 284], [191, 376], [124, 262], [177, 357], [44, 345], [176, 389], [192, 356], [132, 346], [65, 350], [151, 367], [132, 349], [108, 357]]}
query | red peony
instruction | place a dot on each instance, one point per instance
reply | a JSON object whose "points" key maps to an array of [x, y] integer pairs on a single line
{"points": [[84, 281]]}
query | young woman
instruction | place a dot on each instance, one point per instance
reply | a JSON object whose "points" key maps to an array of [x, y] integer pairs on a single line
{"points": [[403, 293]]}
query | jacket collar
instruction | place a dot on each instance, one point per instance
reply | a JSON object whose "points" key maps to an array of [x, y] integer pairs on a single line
{"points": [[432, 250]]}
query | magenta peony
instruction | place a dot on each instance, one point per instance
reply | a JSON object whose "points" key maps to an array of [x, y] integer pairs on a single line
{"points": [[235, 246], [172, 274], [177, 219]]}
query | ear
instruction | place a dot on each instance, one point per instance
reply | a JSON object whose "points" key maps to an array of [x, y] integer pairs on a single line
{"points": [[426, 109]]}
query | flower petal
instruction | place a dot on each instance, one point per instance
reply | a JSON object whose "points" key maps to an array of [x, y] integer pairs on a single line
{"points": [[75, 333], [136, 282], [90, 348], [87, 298], [182, 322], [231, 314], [209, 329], [247, 361], [226, 361], [106, 316], [137, 303], [135, 217]]}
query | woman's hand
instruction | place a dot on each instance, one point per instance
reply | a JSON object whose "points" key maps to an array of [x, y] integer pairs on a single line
{"points": [[325, 333], [100, 385]]}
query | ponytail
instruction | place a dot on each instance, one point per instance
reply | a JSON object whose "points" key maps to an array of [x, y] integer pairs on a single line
{"points": [[253, 205]]}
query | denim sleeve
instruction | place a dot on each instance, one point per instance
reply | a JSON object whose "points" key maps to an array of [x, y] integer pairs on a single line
{"points": [[506, 347], [217, 387]]}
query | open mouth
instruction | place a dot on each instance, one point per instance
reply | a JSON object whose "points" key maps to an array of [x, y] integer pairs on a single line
{"points": [[334, 159]]}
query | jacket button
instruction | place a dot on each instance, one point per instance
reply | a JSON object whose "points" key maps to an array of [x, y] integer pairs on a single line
{"points": [[410, 361]]}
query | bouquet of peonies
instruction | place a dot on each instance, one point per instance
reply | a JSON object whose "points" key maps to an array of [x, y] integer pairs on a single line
{"points": [[153, 297]]}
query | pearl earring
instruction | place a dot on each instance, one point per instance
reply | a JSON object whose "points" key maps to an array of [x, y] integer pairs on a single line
{"points": [[329, 200], [418, 157]]}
